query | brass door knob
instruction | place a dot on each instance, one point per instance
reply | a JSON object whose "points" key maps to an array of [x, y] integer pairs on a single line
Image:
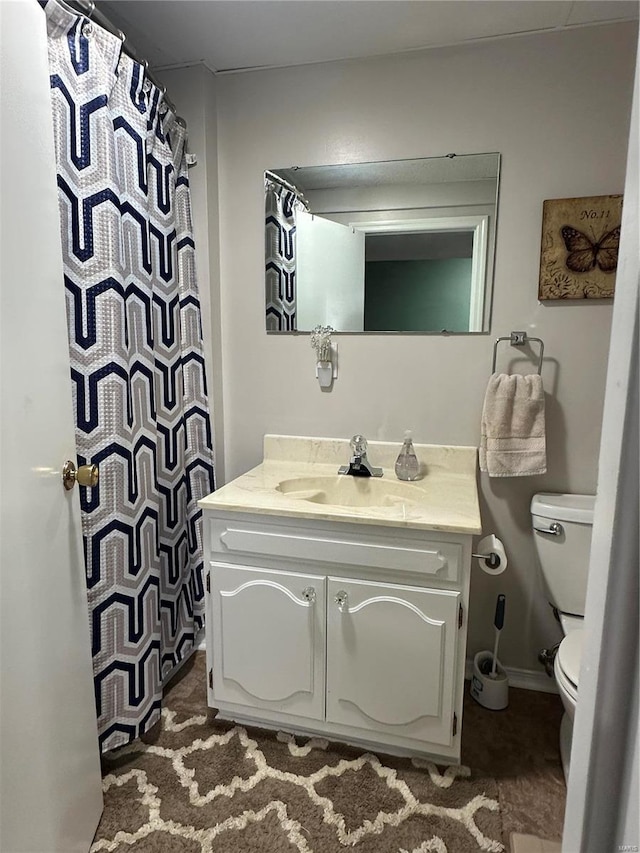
{"points": [[85, 475]]}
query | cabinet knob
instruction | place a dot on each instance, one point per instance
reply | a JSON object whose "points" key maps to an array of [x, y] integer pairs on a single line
{"points": [[342, 600], [309, 594]]}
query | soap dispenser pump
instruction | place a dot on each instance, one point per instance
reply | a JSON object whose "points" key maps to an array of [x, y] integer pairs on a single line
{"points": [[407, 465]]}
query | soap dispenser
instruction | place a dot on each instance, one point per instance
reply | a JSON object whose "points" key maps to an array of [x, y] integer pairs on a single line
{"points": [[407, 465]]}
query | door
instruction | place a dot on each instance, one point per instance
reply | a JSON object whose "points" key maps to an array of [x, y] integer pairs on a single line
{"points": [[268, 643], [391, 658], [50, 785], [329, 274]]}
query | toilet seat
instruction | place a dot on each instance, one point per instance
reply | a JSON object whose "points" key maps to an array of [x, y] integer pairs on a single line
{"points": [[567, 663], [567, 688]]}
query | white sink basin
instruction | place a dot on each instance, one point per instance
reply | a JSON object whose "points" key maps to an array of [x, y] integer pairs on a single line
{"points": [[347, 491]]}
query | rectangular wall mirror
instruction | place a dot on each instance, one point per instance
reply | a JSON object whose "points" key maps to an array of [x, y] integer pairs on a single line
{"points": [[393, 246]]}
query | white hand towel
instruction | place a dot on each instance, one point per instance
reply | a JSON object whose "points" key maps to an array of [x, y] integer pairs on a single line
{"points": [[512, 442]]}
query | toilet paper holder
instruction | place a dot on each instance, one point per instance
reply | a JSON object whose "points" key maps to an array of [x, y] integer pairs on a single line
{"points": [[491, 559], [491, 555]]}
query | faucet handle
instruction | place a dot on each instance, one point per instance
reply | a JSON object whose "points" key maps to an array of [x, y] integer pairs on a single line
{"points": [[359, 445]]}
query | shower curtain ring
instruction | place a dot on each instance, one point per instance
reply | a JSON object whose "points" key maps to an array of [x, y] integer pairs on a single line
{"points": [[91, 9], [122, 36]]}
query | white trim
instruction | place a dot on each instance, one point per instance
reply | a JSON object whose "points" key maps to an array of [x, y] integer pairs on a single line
{"points": [[602, 801], [478, 273], [524, 679], [199, 645], [480, 227], [201, 641]]}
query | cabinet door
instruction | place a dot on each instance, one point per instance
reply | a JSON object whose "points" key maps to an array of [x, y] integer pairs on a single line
{"points": [[268, 639], [391, 658]]}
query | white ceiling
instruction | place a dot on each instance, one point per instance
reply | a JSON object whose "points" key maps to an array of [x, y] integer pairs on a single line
{"points": [[231, 35], [432, 170]]}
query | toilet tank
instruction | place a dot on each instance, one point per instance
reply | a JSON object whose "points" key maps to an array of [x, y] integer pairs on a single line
{"points": [[562, 535]]}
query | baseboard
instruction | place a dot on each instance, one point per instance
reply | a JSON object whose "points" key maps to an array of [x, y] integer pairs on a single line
{"points": [[525, 679], [201, 641], [198, 645]]}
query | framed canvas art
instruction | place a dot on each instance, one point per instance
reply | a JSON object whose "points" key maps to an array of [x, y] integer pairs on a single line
{"points": [[579, 253]]}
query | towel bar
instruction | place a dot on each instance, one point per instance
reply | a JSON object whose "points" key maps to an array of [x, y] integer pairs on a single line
{"points": [[518, 339]]}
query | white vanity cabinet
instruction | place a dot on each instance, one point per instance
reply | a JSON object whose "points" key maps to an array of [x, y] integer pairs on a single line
{"points": [[268, 639], [391, 655], [353, 631]]}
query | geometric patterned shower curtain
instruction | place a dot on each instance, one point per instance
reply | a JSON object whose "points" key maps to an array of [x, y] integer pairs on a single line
{"points": [[281, 205], [137, 366]]}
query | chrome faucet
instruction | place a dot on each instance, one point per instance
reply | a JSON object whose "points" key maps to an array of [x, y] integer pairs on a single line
{"points": [[359, 464]]}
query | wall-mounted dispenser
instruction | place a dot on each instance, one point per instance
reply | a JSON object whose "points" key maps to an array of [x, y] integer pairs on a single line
{"points": [[326, 355]]}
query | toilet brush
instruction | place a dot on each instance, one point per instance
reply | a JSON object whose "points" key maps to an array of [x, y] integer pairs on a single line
{"points": [[498, 622], [489, 681]]}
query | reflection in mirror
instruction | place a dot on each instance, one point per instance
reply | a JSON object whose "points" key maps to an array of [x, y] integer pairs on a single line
{"points": [[395, 246]]}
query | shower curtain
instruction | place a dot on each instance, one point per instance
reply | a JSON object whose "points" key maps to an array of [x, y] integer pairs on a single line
{"points": [[137, 365], [280, 256]]}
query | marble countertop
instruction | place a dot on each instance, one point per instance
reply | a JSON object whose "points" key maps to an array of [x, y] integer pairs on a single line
{"points": [[445, 498]]}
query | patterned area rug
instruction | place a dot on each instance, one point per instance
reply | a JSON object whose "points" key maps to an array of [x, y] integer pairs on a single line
{"points": [[199, 785]]}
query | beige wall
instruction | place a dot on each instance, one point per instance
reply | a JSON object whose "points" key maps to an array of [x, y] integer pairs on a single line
{"points": [[557, 108], [193, 90]]}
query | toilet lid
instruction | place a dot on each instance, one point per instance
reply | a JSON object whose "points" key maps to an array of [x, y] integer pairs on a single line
{"points": [[570, 655]]}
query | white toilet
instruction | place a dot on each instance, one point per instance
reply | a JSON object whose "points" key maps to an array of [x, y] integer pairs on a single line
{"points": [[562, 534]]}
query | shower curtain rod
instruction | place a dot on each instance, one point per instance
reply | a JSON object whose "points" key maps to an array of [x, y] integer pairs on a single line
{"points": [[89, 10], [271, 176]]}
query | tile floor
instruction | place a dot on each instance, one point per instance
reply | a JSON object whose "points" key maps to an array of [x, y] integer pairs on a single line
{"points": [[519, 746], [531, 844]]}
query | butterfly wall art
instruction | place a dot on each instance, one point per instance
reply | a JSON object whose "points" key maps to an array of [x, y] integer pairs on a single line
{"points": [[579, 254]]}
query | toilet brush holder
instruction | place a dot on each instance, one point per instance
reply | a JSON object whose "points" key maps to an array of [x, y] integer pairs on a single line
{"points": [[491, 693]]}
